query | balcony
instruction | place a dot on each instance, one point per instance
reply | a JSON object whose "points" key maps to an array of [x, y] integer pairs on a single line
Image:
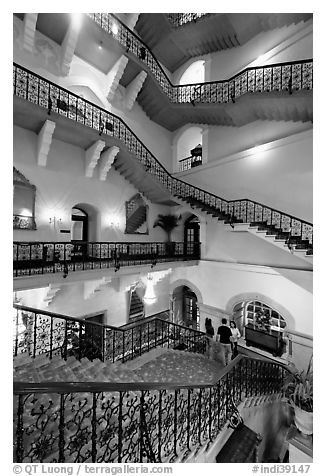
{"points": [[38, 258]]}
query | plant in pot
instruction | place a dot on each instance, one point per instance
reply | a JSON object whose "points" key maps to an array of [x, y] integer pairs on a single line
{"points": [[168, 223], [299, 391]]}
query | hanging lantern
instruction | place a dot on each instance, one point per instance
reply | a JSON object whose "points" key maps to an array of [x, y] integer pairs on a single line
{"points": [[149, 297]]}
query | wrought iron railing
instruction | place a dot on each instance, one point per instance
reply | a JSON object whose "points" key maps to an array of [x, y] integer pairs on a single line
{"points": [[291, 76], [36, 257], [55, 99], [136, 422], [37, 332], [180, 19], [189, 163]]}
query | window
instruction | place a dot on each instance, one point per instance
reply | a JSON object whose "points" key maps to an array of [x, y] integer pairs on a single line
{"points": [[254, 309]]}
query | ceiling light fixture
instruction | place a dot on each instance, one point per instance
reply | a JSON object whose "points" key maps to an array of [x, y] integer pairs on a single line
{"points": [[149, 297]]}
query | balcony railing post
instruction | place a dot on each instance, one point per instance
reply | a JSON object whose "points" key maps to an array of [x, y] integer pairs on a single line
{"points": [[34, 334]]}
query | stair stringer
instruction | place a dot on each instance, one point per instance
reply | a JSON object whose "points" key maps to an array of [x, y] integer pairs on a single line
{"points": [[240, 227]]}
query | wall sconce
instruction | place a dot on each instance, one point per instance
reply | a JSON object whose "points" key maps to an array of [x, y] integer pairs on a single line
{"points": [[114, 221], [149, 297], [54, 221]]}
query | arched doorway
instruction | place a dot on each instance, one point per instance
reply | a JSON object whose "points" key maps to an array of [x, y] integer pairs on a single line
{"points": [[192, 234], [262, 326], [186, 309], [79, 225]]}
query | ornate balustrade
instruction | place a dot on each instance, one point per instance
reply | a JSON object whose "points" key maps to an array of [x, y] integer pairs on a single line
{"points": [[54, 257], [136, 422], [189, 163], [37, 332], [291, 76], [180, 19], [33, 88]]}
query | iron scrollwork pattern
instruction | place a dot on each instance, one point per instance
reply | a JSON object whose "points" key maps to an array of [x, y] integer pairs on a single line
{"points": [[133, 425]]}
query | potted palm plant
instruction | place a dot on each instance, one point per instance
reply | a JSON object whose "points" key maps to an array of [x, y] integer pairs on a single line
{"points": [[168, 223], [299, 391]]}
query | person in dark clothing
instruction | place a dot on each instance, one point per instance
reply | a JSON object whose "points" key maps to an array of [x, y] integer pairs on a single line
{"points": [[223, 337], [210, 334]]}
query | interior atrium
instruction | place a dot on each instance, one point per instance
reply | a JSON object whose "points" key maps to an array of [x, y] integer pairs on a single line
{"points": [[162, 181]]}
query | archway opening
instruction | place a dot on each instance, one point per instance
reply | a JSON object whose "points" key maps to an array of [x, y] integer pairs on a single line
{"points": [[195, 73], [192, 234], [186, 309], [79, 225], [189, 148], [261, 326]]}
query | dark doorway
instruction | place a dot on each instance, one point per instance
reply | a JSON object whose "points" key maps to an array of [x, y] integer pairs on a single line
{"points": [[79, 228], [192, 234], [190, 308], [79, 233]]}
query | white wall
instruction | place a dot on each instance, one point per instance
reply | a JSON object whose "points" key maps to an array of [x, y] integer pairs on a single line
{"points": [[112, 298], [221, 283], [62, 184], [279, 177]]}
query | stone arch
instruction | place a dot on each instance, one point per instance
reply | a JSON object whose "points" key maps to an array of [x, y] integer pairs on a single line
{"points": [[93, 220], [189, 65], [185, 139], [190, 285], [245, 297]]}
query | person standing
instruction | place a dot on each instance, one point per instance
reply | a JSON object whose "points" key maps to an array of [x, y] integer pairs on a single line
{"points": [[210, 334], [234, 338], [223, 336]]}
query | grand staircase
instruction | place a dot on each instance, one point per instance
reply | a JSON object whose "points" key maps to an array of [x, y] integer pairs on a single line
{"points": [[35, 98], [69, 409], [176, 40], [280, 91]]}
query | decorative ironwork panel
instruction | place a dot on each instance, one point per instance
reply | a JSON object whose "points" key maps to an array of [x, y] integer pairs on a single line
{"points": [[267, 79], [258, 213], [250, 211], [251, 80], [307, 231], [297, 76], [259, 86], [277, 78], [267, 215], [286, 76], [285, 222], [236, 209], [167, 424], [21, 83], [307, 69], [296, 227], [276, 219], [40, 428]]}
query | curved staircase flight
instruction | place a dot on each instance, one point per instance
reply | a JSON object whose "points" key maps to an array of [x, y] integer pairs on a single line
{"points": [[135, 161]]}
